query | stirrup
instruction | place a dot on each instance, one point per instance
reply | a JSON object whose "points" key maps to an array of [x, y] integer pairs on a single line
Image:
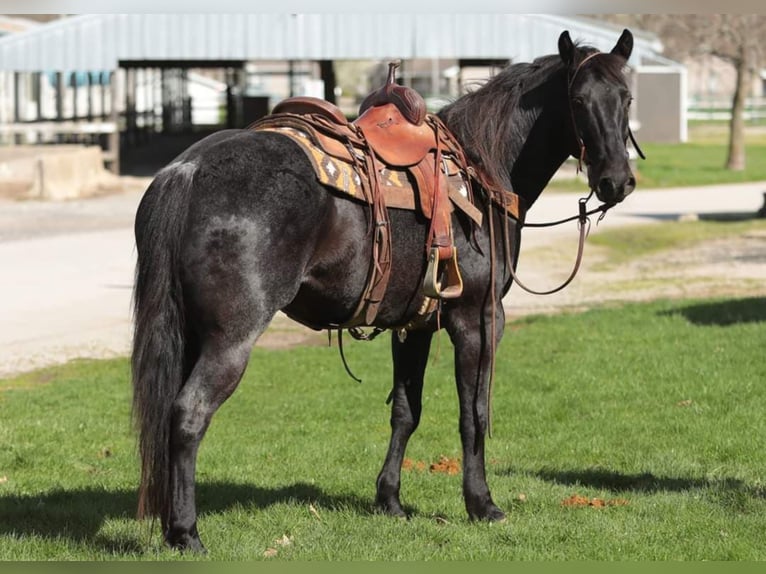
{"points": [[432, 286]]}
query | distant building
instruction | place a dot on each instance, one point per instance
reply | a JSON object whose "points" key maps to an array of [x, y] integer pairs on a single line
{"points": [[119, 78]]}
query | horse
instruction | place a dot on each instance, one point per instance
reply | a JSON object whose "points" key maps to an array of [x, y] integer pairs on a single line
{"points": [[237, 228]]}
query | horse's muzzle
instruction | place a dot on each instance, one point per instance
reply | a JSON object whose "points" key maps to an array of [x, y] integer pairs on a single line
{"points": [[614, 191]]}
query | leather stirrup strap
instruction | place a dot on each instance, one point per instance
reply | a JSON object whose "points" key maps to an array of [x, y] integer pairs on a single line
{"points": [[439, 243]]}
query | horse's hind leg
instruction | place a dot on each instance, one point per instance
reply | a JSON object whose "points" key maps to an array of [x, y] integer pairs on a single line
{"points": [[215, 375], [410, 358]]}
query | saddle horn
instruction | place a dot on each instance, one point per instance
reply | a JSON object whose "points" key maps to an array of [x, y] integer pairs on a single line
{"points": [[410, 103]]}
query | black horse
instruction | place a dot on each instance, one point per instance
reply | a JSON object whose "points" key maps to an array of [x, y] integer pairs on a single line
{"points": [[238, 228]]}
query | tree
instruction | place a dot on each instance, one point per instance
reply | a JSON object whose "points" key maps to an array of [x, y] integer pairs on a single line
{"points": [[734, 38]]}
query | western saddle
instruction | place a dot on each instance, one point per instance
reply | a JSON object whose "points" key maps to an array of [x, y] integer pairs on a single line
{"points": [[393, 134]]}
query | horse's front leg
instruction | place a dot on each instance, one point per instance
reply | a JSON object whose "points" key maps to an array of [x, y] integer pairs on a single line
{"points": [[471, 338], [410, 358]]}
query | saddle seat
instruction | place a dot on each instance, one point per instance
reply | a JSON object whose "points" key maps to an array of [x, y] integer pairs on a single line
{"points": [[393, 138], [392, 118], [389, 133]]}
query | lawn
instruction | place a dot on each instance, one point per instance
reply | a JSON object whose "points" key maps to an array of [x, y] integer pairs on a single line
{"points": [[627, 433], [676, 165], [700, 161]]}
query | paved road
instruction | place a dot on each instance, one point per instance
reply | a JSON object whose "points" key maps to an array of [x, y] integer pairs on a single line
{"points": [[67, 268], [650, 207], [67, 275]]}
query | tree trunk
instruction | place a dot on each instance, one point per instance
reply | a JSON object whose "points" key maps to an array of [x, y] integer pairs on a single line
{"points": [[736, 157]]}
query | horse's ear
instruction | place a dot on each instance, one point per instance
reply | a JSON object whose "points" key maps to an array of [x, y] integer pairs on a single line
{"points": [[624, 45], [566, 48]]}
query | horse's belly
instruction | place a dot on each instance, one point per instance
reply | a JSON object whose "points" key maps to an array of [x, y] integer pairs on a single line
{"points": [[333, 288]]}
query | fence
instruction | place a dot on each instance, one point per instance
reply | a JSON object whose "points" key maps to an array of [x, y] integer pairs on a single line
{"points": [[720, 109]]}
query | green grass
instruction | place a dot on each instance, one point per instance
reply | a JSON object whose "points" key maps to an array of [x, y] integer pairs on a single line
{"points": [[700, 161], [681, 165], [676, 165], [626, 243], [659, 404]]}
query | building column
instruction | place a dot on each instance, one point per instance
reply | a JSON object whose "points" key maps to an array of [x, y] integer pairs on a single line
{"points": [[114, 136], [327, 74]]}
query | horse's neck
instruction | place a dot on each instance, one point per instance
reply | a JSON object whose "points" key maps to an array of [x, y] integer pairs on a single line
{"points": [[541, 141], [546, 147]]}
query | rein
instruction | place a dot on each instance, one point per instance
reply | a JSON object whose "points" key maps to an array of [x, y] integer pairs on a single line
{"points": [[583, 220]]}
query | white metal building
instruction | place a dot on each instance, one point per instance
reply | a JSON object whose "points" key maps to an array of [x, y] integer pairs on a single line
{"points": [[102, 41], [134, 68]]}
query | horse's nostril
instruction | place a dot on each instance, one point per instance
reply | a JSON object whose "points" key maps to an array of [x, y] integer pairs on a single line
{"points": [[631, 182], [606, 186]]}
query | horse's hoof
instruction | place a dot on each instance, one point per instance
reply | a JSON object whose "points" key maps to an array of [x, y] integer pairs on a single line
{"points": [[496, 515], [391, 508], [499, 519], [490, 514], [186, 543]]}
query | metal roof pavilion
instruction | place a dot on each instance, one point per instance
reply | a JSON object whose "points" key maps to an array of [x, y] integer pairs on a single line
{"points": [[103, 41]]}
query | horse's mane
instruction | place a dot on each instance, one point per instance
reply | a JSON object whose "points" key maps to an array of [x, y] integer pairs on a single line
{"points": [[493, 121]]}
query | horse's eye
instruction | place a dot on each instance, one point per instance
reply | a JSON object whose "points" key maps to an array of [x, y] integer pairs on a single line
{"points": [[578, 102]]}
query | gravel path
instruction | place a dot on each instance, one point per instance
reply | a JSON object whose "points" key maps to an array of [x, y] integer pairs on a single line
{"points": [[67, 269]]}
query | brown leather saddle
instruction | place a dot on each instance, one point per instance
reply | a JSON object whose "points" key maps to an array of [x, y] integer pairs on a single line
{"points": [[393, 131]]}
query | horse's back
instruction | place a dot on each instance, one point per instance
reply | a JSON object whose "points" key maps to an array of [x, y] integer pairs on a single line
{"points": [[260, 231]]}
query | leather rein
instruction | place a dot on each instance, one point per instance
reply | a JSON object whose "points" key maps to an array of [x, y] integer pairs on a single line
{"points": [[583, 224]]}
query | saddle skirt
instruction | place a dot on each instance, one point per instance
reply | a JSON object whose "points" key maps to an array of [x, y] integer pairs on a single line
{"points": [[398, 185]]}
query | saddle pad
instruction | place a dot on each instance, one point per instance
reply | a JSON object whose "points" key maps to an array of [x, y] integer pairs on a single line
{"points": [[397, 187]]}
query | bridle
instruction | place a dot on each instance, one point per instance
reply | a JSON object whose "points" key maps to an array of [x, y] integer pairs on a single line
{"points": [[579, 141]]}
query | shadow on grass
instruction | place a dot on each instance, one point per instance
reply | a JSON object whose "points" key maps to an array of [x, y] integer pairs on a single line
{"points": [[730, 216], [78, 515], [718, 217], [723, 313], [731, 493], [618, 482]]}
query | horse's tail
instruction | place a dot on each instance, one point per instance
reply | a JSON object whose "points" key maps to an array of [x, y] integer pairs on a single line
{"points": [[159, 359]]}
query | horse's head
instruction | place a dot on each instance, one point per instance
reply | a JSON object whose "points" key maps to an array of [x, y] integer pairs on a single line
{"points": [[599, 102]]}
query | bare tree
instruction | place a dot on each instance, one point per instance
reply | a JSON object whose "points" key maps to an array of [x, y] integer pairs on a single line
{"points": [[734, 38]]}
